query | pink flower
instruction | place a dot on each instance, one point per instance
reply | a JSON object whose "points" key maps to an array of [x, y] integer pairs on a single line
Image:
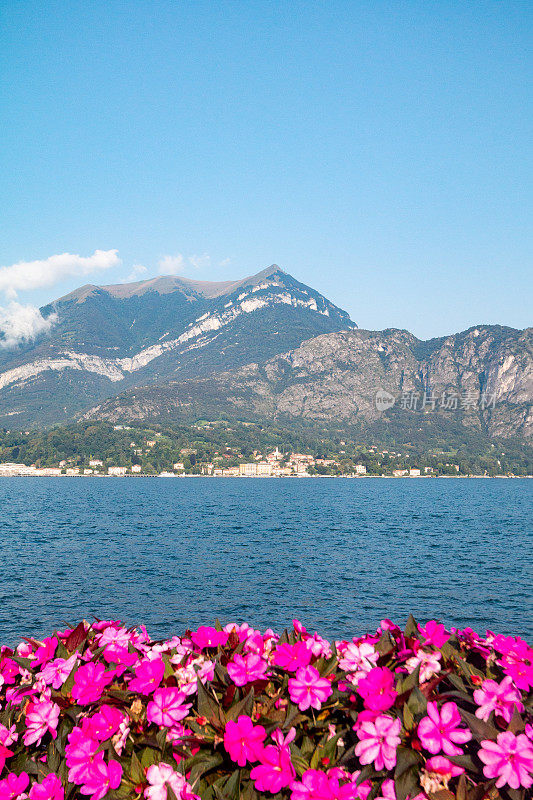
{"points": [[243, 740], [50, 788], [358, 659], [57, 671], [429, 662], [441, 732], [209, 637], [45, 651], [246, 670], [379, 741], [292, 656], [308, 688], [443, 766], [509, 759], [13, 786], [5, 753], [520, 672], [89, 683], [434, 633], [81, 752], [105, 723], [387, 790], [8, 735], [275, 771], [160, 776], [502, 698], [317, 785], [148, 676], [377, 689], [167, 708], [101, 778], [40, 717]]}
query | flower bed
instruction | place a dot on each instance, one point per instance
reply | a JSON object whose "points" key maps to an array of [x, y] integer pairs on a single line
{"points": [[102, 711]]}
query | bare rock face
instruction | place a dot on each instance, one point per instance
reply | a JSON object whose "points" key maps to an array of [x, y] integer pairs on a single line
{"points": [[482, 379]]}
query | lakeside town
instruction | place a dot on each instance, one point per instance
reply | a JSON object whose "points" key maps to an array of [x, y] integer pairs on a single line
{"points": [[224, 450]]}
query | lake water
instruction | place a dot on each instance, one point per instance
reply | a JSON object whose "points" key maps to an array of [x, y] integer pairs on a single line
{"points": [[338, 554]]}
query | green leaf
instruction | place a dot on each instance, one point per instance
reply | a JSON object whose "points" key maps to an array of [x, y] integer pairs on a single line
{"points": [[244, 706], [299, 762], [408, 718], [411, 628], [136, 769], [385, 644], [410, 681], [480, 730], [417, 702], [208, 706], [149, 756]]}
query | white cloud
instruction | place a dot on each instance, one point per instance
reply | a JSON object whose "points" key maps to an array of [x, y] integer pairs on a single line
{"points": [[137, 271], [224, 262], [19, 324], [171, 265], [200, 261], [27, 275]]}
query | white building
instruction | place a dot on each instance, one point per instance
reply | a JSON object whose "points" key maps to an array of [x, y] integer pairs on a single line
{"points": [[95, 462], [117, 471], [264, 469], [414, 473], [360, 469], [248, 470], [136, 468], [9, 469]]}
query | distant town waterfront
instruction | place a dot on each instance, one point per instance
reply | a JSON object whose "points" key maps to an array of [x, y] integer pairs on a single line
{"points": [[340, 555]]}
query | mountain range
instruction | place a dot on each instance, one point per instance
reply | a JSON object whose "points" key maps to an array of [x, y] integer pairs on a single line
{"points": [[170, 349]]}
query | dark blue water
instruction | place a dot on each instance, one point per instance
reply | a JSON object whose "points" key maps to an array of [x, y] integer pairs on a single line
{"points": [[338, 554]]}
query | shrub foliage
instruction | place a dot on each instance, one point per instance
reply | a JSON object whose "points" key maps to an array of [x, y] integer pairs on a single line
{"points": [[219, 713]]}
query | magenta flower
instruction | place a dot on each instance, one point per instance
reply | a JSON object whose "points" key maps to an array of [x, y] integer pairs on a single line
{"points": [[50, 788], [377, 689], [443, 766], [379, 741], [8, 735], [502, 698], [317, 785], [81, 753], [292, 656], [167, 708], [243, 740], [45, 651], [440, 732], [105, 723], [275, 772], [40, 717], [57, 671], [509, 760], [309, 689], [206, 636], [246, 670], [5, 753], [148, 676], [13, 786], [89, 683], [102, 778], [520, 671], [434, 633]]}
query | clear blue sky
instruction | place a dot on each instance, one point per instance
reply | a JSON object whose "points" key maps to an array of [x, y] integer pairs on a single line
{"points": [[379, 151]]}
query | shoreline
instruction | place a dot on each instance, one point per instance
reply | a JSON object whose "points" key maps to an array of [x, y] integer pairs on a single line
{"points": [[287, 477]]}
